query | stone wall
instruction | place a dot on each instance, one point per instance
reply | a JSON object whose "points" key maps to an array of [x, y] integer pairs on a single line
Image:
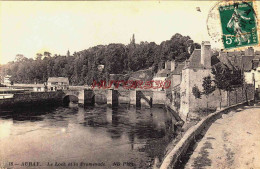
{"points": [[190, 78], [159, 98], [190, 104], [175, 98], [33, 98]]}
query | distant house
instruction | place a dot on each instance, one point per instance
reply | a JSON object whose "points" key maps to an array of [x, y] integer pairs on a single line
{"points": [[253, 76], [7, 79], [247, 61], [175, 75], [57, 83], [39, 88], [163, 73]]}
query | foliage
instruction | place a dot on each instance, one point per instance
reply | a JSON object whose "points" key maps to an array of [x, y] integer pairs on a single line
{"points": [[81, 67], [208, 88], [196, 92], [227, 79], [214, 60]]}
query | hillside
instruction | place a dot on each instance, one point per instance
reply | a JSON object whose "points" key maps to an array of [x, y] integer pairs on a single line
{"points": [[82, 67]]}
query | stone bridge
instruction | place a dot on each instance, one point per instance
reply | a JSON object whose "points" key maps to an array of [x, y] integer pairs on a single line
{"points": [[85, 97], [139, 98]]}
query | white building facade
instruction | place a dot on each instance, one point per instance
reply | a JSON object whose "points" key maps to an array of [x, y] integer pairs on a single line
{"points": [[57, 83]]}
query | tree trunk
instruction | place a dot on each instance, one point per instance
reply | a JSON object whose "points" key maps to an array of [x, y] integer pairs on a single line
{"points": [[246, 95], [228, 97], [220, 98], [236, 95], [207, 105]]}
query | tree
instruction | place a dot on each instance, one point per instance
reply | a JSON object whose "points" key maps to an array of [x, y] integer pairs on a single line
{"points": [[80, 67], [47, 54], [227, 79], [196, 92], [38, 56], [208, 88], [20, 58]]}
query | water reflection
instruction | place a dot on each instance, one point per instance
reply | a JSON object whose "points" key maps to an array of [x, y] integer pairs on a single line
{"points": [[73, 134]]}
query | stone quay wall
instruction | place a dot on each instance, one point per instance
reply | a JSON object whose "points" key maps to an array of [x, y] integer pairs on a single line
{"points": [[32, 98]]}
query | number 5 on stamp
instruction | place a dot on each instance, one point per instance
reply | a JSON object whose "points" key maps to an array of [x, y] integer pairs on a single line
{"points": [[238, 23]]}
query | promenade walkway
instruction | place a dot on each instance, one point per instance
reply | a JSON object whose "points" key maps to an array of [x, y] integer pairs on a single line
{"points": [[232, 142]]}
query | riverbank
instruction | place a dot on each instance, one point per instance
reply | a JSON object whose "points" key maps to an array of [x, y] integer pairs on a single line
{"points": [[187, 141], [31, 99]]}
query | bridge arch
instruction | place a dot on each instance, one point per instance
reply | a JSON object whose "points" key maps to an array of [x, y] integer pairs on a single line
{"points": [[100, 98], [70, 98]]}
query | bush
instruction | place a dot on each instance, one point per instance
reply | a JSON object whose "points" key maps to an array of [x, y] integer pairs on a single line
{"points": [[196, 92]]}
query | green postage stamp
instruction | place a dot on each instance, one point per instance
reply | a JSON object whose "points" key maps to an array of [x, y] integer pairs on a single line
{"points": [[239, 25]]}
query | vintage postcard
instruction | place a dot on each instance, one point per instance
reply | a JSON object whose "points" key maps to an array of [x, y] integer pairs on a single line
{"points": [[129, 84]]}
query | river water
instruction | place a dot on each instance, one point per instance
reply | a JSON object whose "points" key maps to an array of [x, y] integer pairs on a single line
{"points": [[73, 137]]}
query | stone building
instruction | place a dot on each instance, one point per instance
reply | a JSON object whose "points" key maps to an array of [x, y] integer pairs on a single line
{"points": [[175, 77], [57, 83], [196, 68], [199, 66]]}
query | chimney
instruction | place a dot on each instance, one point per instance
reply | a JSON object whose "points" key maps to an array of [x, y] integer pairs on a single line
{"points": [[249, 51], [173, 65], [206, 54], [168, 65], [255, 63]]}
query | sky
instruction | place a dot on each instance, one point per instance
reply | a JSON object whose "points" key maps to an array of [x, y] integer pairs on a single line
{"points": [[30, 27]]}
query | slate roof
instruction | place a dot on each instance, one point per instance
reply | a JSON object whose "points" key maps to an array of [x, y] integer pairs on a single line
{"points": [[163, 73], [194, 60], [231, 59], [255, 64], [224, 59], [178, 69], [247, 63]]}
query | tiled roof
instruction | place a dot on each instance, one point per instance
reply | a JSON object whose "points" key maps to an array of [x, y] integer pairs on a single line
{"points": [[58, 79]]}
